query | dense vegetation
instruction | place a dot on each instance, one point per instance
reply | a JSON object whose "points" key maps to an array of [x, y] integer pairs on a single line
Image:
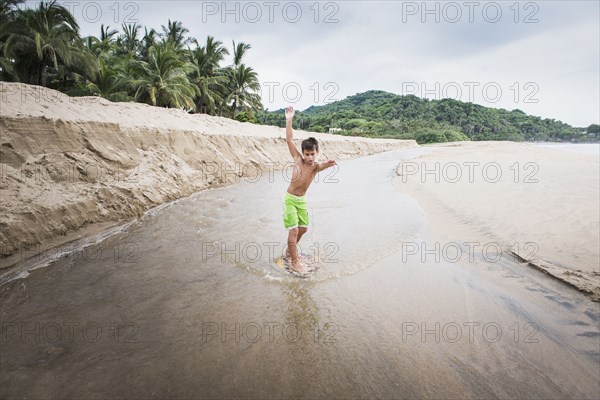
{"points": [[382, 114], [42, 46]]}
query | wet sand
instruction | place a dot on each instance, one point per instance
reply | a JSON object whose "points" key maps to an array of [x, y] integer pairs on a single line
{"points": [[187, 303], [538, 201], [69, 165]]}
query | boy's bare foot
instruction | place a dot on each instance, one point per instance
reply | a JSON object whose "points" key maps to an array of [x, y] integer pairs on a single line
{"points": [[300, 267]]}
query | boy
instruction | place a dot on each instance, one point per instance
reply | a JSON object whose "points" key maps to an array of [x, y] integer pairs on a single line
{"points": [[295, 213]]}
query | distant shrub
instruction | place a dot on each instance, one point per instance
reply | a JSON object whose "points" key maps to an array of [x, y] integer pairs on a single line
{"points": [[246, 117], [439, 136]]}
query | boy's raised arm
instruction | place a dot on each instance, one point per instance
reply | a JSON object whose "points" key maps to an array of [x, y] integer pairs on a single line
{"points": [[289, 116]]}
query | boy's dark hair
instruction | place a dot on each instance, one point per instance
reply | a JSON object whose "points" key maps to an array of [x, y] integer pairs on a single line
{"points": [[310, 144]]}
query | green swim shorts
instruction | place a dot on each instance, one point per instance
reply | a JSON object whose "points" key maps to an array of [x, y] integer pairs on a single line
{"points": [[295, 213]]}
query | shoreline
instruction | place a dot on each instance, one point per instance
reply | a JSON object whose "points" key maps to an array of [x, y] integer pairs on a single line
{"points": [[69, 164], [73, 242], [550, 222], [74, 169]]}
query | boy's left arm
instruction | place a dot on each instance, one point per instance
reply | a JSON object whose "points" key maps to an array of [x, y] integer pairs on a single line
{"points": [[325, 165]]}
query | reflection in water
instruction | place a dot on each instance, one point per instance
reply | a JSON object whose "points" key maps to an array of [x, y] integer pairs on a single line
{"points": [[180, 296], [301, 310]]}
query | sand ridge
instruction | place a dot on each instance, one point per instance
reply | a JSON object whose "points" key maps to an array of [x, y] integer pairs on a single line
{"points": [[67, 163]]}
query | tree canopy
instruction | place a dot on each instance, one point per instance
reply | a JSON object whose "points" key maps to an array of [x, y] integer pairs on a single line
{"points": [[164, 67], [167, 68], [381, 114]]}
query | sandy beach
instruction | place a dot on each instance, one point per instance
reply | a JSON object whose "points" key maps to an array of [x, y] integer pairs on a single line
{"points": [[169, 288], [439, 240], [540, 203], [74, 166]]}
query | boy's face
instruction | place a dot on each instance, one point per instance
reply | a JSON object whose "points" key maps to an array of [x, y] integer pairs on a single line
{"points": [[310, 156]]}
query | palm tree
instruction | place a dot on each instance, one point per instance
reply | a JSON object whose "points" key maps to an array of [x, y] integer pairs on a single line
{"points": [[106, 43], [128, 41], [150, 39], [162, 80], [174, 33], [239, 51], [8, 26], [47, 35], [244, 87], [210, 79], [43, 46], [110, 81], [212, 54], [68, 77], [8, 7], [216, 53]]}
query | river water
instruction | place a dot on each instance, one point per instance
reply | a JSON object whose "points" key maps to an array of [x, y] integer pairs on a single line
{"points": [[187, 302]]}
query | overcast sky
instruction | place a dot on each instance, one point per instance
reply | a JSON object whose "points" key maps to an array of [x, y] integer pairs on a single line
{"points": [[539, 56]]}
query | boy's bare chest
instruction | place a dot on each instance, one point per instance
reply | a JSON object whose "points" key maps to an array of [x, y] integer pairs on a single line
{"points": [[303, 173]]}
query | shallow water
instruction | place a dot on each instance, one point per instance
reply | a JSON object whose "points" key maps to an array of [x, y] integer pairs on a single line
{"points": [[188, 303], [592, 149]]}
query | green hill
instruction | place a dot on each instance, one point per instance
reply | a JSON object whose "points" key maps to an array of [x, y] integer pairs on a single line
{"points": [[381, 114]]}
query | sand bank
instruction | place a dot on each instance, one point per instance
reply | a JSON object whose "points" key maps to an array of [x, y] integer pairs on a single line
{"points": [[69, 164], [540, 204]]}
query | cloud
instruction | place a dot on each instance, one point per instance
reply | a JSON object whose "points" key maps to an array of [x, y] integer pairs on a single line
{"points": [[387, 44], [563, 77]]}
